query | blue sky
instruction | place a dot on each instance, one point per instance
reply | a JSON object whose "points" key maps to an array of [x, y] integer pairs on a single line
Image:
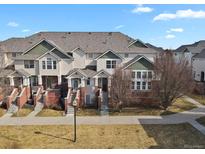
{"points": [[167, 26]]}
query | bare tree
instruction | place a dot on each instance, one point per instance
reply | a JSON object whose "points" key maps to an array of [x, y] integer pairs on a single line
{"points": [[120, 87], [4, 85], [175, 78]]}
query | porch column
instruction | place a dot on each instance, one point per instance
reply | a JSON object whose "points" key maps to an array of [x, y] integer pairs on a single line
{"points": [[96, 81], [82, 82], [59, 80], [69, 83], [109, 85], [25, 81], [11, 79], [39, 80]]}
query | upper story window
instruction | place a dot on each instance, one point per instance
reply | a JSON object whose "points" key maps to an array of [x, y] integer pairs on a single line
{"points": [[14, 54], [141, 79], [90, 55], [126, 55], [29, 63], [111, 64], [49, 64]]}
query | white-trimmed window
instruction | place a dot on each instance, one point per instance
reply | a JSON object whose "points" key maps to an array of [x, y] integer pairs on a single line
{"points": [[141, 79], [90, 55], [126, 55], [44, 65], [29, 63], [111, 64], [49, 64]]}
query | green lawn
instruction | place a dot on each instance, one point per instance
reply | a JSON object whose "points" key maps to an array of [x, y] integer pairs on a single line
{"points": [[106, 136], [2, 112], [179, 106], [22, 112], [199, 98], [50, 113]]}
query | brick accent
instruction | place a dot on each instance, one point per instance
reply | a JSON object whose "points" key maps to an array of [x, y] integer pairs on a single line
{"points": [[23, 97], [81, 102], [52, 98], [37, 96], [11, 97]]}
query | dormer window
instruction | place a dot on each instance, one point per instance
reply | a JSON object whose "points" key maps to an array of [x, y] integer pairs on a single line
{"points": [[110, 64], [126, 55], [90, 55]]}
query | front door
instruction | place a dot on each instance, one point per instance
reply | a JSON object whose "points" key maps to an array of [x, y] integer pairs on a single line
{"points": [[104, 84], [50, 82], [202, 76], [75, 83], [90, 92]]}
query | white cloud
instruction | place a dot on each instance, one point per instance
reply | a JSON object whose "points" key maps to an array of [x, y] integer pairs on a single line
{"points": [[170, 36], [180, 14], [13, 24], [119, 26], [26, 30], [180, 30], [142, 9]]}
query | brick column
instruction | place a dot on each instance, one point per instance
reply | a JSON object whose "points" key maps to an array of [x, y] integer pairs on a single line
{"points": [[11, 79], [39, 80], [59, 80]]}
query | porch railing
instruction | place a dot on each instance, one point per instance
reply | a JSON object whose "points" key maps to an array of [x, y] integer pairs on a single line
{"points": [[23, 97], [12, 97], [38, 95]]}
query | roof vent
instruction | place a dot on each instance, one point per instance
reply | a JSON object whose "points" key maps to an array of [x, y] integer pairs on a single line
{"points": [[69, 32], [110, 33], [89, 33]]}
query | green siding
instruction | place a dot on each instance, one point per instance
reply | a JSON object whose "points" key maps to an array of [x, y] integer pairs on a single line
{"points": [[41, 48], [59, 54], [110, 55], [141, 64], [139, 44]]}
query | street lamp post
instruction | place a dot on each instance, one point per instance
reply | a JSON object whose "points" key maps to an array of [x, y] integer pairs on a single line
{"points": [[74, 105]]}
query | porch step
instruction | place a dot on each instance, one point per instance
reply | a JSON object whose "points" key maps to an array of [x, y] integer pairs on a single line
{"points": [[39, 106], [12, 109]]}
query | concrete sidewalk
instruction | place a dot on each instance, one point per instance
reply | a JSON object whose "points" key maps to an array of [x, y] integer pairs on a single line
{"points": [[182, 117]]}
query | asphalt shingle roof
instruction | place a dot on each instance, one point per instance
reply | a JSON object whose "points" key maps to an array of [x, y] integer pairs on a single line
{"points": [[90, 42], [201, 54]]}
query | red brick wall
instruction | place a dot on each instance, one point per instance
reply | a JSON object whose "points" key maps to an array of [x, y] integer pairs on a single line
{"points": [[11, 97], [23, 97], [52, 98], [37, 96]]}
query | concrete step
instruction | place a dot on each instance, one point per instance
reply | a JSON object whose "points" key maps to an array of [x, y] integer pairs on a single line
{"points": [[12, 109]]}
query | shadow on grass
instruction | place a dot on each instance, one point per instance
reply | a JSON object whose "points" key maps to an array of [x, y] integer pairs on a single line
{"points": [[51, 135], [174, 136]]}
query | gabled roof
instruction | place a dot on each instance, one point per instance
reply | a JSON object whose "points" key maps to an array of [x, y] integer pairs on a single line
{"points": [[134, 60], [101, 71], [89, 42], [194, 48], [19, 73], [108, 52], [137, 40], [87, 73], [200, 55]]}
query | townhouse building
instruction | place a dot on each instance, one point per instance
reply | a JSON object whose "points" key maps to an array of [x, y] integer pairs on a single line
{"points": [[76, 60]]}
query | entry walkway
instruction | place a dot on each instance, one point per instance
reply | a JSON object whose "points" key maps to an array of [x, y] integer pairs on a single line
{"points": [[183, 117]]}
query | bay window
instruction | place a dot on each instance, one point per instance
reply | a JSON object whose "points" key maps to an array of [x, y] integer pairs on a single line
{"points": [[141, 79], [49, 64]]}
